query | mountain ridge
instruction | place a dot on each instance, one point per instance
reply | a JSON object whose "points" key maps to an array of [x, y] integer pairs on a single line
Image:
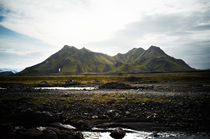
{"points": [[8, 70], [70, 60]]}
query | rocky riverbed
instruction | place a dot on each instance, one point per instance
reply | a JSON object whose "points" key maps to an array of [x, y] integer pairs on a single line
{"points": [[40, 113]]}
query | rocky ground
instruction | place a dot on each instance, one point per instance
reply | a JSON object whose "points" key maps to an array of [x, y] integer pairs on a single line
{"points": [[29, 113]]}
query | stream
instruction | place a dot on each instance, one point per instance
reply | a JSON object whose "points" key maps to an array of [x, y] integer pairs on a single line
{"points": [[134, 134], [104, 133]]}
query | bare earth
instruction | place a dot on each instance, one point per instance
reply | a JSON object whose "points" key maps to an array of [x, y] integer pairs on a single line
{"points": [[147, 108]]}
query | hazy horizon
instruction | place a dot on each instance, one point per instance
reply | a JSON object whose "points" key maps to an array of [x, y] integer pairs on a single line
{"points": [[31, 31]]}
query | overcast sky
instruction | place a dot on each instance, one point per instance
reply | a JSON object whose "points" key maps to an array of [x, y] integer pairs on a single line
{"points": [[32, 30]]}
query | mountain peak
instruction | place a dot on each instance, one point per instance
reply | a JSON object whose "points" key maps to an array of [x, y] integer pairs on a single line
{"points": [[130, 56], [67, 47], [155, 49], [137, 49], [83, 48]]}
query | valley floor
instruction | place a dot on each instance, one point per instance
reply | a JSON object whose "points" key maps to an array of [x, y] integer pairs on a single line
{"points": [[142, 110], [177, 102]]}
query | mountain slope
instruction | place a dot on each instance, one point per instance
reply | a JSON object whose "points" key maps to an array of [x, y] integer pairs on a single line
{"points": [[70, 60], [152, 60], [6, 73], [130, 56]]}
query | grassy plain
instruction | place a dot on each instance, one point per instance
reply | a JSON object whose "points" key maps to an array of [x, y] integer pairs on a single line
{"points": [[84, 79]]}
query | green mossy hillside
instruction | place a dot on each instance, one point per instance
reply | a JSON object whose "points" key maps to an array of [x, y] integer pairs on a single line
{"points": [[70, 60]]}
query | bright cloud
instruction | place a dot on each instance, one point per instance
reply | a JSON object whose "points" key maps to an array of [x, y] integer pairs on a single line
{"points": [[78, 22], [109, 26]]}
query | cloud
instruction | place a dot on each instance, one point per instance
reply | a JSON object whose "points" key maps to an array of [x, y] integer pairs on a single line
{"points": [[59, 22], [107, 26], [184, 36]]}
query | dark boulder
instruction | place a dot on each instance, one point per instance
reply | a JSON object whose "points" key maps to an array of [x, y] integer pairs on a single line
{"points": [[82, 125], [70, 134], [28, 133], [118, 133], [5, 128], [47, 133], [33, 118]]}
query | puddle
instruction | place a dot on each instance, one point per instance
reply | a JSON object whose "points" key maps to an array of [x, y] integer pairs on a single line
{"points": [[66, 88], [2, 88]]}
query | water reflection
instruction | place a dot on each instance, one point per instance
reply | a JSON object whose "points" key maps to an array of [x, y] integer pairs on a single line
{"points": [[66, 88]]}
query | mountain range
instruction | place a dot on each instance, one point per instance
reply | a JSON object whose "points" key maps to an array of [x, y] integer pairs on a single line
{"points": [[8, 70], [70, 60]]}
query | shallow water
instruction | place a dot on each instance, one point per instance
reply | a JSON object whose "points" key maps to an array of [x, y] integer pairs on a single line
{"points": [[133, 134], [141, 135], [66, 88]]}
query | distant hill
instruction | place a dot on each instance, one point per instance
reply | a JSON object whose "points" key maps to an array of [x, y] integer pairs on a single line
{"points": [[6, 73], [7, 70], [70, 60]]}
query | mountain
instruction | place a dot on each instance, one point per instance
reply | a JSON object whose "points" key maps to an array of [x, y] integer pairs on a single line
{"points": [[70, 60], [8, 70], [130, 56], [6, 73], [152, 60]]}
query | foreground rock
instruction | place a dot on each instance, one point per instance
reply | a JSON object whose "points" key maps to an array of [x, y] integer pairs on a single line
{"points": [[33, 118], [118, 133], [47, 133]]}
